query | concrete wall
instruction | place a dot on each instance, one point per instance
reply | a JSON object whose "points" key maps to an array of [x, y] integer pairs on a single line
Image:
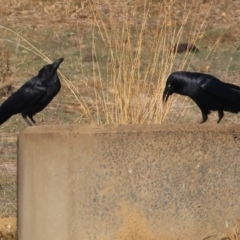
{"points": [[144, 182]]}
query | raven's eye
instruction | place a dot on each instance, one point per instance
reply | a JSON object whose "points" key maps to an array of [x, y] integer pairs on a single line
{"points": [[169, 85]]}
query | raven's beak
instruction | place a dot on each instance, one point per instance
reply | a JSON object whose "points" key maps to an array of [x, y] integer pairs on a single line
{"points": [[57, 63], [165, 95]]}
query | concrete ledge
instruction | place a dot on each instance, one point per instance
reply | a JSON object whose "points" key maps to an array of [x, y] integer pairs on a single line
{"points": [[128, 182]]}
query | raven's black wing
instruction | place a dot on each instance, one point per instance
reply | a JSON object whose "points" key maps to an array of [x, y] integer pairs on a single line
{"points": [[220, 90], [30, 93]]}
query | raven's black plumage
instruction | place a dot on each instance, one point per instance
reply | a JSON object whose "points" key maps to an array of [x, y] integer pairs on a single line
{"points": [[34, 95], [207, 91]]}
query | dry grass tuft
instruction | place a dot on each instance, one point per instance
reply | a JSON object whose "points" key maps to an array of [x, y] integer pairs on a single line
{"points": [[8, 229], [138, 59]]}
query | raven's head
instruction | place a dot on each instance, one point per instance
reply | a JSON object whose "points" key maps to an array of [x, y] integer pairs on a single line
{"points": [[50, 69], [174, 84], [57, 63]]}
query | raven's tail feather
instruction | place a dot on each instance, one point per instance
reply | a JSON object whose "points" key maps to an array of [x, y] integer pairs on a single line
{"points": [[4, 118]]}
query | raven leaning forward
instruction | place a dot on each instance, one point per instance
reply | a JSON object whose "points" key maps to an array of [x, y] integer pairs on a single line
{"points": [[208, 92], [34, 95]]}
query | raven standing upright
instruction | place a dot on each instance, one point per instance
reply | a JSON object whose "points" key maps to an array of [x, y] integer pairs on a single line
{"points": [[207, 91], [34, 95]]}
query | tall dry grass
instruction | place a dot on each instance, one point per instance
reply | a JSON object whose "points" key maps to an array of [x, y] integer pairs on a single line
{"points": [[139, 57]]}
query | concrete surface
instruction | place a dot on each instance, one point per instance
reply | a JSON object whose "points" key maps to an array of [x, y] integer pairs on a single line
{"points": [[130, 182]]}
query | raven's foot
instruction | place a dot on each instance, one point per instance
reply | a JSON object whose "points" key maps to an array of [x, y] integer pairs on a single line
{"points": [[204, 118], [31, 118], [25, 117], [27, 121], [220, 116]]}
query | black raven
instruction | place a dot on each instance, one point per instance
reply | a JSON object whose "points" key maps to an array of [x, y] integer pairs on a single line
{"points": [[33, 96], [207, 91]]}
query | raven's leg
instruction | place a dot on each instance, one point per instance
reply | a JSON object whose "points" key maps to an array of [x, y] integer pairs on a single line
{"points": [[26, 119], [220, 115], [31, 117], [204, 117]]}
